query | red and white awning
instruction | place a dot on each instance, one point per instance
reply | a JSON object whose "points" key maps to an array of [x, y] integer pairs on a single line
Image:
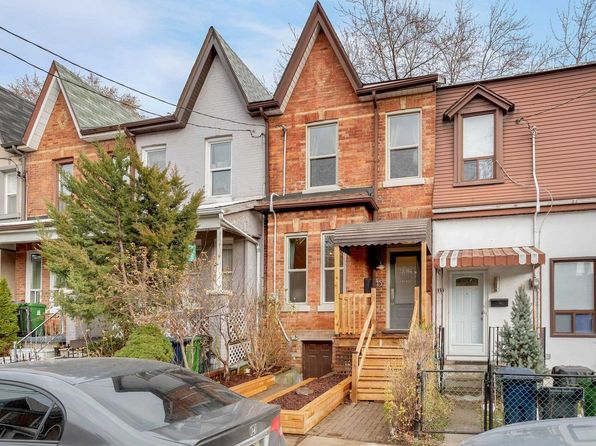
{"points": [[513, 256]]}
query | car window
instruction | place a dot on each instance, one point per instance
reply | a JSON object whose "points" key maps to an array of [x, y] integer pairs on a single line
{"points": [[28, 414], [154, 399]]}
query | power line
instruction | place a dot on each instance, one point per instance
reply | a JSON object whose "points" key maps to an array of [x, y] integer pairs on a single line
{"points": [[120, 101], [525, 118], [18, 36]]}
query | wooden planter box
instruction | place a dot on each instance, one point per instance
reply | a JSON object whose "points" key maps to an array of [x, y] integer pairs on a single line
{"points": [[254, 386], [302, 420]]}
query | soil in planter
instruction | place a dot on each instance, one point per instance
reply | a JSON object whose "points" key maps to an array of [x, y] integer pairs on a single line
{"points": [[239, 378], [293, 401]]}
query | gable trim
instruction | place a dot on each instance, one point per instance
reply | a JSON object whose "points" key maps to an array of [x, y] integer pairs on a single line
{"points": [[478, 90]]}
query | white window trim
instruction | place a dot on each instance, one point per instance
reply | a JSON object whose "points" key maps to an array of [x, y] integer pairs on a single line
{"points": [[145, 150], [329, 306], [208, 192], [327, 187], [406, 181], [6, 194], [294, 306], [28, 272]]}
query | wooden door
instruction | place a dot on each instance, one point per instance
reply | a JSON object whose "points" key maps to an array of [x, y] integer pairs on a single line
{"points": [[316, 358]]}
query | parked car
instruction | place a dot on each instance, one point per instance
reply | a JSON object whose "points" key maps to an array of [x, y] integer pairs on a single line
{"points": [[110, 401], [556, 432]]}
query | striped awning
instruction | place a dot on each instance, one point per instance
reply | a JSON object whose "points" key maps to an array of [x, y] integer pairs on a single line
{"points": [[513, 256]]}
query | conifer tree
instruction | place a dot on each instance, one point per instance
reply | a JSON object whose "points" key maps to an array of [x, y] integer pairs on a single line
{"points": [[520, 346], [117, 211], [8, 319]]}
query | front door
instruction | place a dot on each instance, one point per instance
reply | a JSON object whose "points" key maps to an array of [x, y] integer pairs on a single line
{"points": [[466, 326], [404, 278]]}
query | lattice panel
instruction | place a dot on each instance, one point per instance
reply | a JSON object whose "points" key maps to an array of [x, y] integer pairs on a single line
{"points": [[237, 320], [236, 353]]}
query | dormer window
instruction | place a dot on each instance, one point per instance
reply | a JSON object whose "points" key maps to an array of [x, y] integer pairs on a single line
{"points": [[478, 147], [478, 136]]}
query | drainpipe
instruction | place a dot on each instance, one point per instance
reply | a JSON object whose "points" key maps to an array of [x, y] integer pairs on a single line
{"points": [[252, 240], [534, 131], [285, 133], [271, 210], [375, 150]]}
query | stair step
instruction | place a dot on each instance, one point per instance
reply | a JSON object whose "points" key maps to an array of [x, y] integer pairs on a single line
{"points": [[370, 396], [367, 384], [380, 372]]}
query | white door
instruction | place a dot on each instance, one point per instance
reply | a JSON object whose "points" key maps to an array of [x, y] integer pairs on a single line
{"points": [[466, 328]]}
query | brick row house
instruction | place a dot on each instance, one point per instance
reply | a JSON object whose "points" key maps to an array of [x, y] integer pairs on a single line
{"points": [[514, 204]]}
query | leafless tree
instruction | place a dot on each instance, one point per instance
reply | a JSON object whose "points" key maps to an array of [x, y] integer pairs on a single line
{"points": [[577, 32], [456, 43], [29, 87], [389, 39], [283, 55], [505, 46]]}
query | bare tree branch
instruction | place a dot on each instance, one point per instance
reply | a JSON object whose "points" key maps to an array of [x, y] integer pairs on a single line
{"points": [[577, 34]]}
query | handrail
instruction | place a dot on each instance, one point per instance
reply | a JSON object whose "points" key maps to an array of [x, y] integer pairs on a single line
{"points": [[359, 355], [415, 313], [28, 335]]}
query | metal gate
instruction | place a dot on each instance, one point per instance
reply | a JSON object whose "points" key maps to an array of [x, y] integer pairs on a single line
{"points": [[453, 401]]}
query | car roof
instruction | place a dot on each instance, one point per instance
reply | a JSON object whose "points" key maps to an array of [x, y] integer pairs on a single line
{"points": [[77, 371]]}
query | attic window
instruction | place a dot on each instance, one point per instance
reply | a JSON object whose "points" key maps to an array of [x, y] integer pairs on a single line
{"points": [[478, 140]]}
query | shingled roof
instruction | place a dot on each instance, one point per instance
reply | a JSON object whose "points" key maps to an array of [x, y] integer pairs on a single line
{"points": [[14, 116], [91, 110]]}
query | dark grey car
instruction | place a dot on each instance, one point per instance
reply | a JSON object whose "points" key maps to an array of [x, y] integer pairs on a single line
{"points": [[109, 401]]}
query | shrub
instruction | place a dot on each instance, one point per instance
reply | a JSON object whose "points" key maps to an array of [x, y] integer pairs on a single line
{"points": [[401, 402], [147, 342], [108, 345], [8, 319]]}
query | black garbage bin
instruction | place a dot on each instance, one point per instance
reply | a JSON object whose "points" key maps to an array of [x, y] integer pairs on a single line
{"points": [[519, 394], [586, 379], [559, 402]]}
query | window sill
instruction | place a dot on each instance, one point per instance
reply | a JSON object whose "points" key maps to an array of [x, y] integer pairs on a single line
{"points": [[573, 335], [478, 182], [217, 198], [396, 182], [326, 307], [9, 216], [314, 190], [295, 308]]}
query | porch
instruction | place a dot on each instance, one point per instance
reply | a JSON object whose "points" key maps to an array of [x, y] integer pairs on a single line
{"points": [[371, 327]]}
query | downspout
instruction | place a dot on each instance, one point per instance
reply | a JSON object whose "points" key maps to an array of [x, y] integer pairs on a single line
{"points": [[534, 131], [285, 133], [271, 210], [375, 150], [252, 240]]}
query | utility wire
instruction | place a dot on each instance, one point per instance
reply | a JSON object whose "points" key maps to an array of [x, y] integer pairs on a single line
{"points": [[525, 118], [18, 36], [120, 101]]}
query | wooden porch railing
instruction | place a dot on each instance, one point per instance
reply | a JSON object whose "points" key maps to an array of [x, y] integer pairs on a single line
{"points": [[421, 315], [359, 355], [351, 311]]}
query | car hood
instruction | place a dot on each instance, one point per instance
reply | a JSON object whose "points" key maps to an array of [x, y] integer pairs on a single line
{"points": [[559, 432], [230, 424]]}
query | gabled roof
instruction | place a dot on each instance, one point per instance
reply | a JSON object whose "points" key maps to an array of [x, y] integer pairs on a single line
{"points": [[316, 23], [249, 87], [478, 90], [91, 112], [14, 116]]}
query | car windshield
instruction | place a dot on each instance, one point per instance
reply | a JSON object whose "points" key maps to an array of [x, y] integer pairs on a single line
{"points": [[153, 399]]}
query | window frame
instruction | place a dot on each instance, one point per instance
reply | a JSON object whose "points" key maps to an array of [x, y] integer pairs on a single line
{"points": [[227, 245], [208, 171], [326, 187], [59, 164], [28, 272], [146, 150], [48, 395], [573, 313], [403, 181], [458, 125], [295, 305], [324, 305], [7, 173]]}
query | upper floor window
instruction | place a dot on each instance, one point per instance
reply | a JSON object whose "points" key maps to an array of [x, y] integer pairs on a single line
{"points": [[322, 155], [63, 169], [155, 156], [219, 162], [10, 193], [573, 298], [478, 147], [403, 146]]}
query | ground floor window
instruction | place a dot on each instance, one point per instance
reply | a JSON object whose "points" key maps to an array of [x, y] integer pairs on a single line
{"points": [[296, 252], [328, 268], [572, 297], [34, 277]]}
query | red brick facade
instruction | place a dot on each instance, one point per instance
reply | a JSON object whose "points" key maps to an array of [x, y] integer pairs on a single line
{"points": [[323, 92]]}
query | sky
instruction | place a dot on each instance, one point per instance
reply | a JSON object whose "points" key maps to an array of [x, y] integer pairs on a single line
{"points": [[151, 45]]}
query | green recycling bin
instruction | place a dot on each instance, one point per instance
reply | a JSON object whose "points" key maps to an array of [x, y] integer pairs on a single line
{"points": [[194, 350], [37, 314], [589, 386]]}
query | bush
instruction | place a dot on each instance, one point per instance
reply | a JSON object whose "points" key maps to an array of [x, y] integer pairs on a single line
{"points": [[108, 345], [8, 319], [147, 342]]}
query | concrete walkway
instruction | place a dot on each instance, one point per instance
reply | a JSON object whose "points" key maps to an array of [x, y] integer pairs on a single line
{"points": [[313, 440]]}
